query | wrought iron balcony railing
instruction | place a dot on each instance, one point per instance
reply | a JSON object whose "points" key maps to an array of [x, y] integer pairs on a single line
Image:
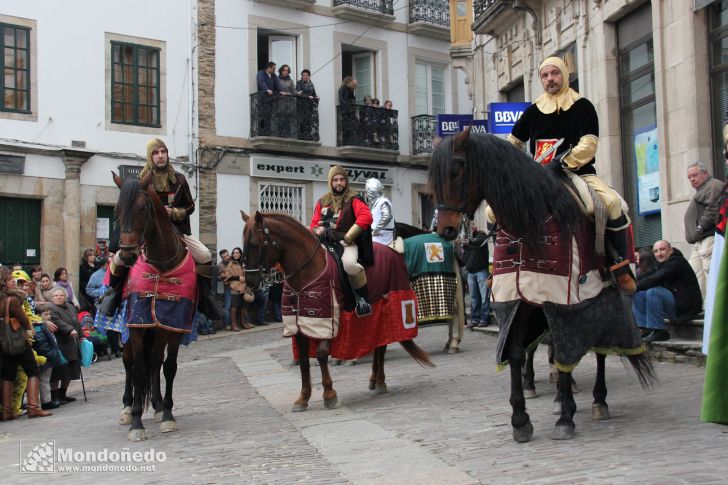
{"points": [[380, 6], [487, 13], [480, 6], [293, 117], [423, 132], [436, 12], [367, 126]]}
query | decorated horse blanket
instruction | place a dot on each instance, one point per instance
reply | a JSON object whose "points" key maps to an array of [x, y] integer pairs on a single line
{"points": [[157, 299], [582, 310], [316, 310], [430, 264]]}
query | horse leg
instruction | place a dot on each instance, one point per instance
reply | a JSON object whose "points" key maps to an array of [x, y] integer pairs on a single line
{"points": [[600, 409], [520, 421], [155, 366], [381, 385], [322, 355], [301, 404], [529, 388], [375, 370], [169, 424], [565, 426], [553, 372], [128, 398], [141, 385]]}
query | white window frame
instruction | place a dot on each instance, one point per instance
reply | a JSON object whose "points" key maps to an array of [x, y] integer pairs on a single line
{"points": [[372, 76], [294, 51], [445, 86]]}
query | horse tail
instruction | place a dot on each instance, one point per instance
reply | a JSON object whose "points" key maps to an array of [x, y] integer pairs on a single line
{"points": [[149, 337], [642, 366], [422, 357]]}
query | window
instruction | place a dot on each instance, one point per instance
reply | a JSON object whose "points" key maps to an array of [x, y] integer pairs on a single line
{"points": [[278, 48], [360, 64], [284, 198], [15, 82], [719, 81], [135, 84], [429, 89]]}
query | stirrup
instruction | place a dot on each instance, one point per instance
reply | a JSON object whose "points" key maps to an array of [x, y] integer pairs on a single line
{"points": [[363, 307], [623, 277]]}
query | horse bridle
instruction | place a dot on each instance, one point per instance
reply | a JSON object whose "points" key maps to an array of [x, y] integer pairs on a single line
{"points": [[271, 276], [466, 231], [140, 244]]}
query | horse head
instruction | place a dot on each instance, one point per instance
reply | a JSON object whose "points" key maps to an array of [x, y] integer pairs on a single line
{"points": [[133, 215], [260, 251], [451, 183]]}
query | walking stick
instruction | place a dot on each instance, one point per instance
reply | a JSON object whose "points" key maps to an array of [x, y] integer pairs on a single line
{"points": [[80, 368]]}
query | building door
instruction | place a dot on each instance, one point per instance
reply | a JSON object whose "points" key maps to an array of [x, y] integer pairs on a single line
{"points": [[362, 65], [429, 89], [639, 125], [105, 222], [19, 231], [282, 50]]}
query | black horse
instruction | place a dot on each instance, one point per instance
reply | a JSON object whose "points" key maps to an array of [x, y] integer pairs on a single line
{"points": [[525, 197]]}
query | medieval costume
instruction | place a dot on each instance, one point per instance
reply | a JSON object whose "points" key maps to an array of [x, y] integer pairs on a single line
{"points": [[346, 219], [715, 333], [381, 208], [566, 115]]}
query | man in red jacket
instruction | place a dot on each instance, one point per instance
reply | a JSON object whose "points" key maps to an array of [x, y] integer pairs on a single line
{"points": [[349, 220]]}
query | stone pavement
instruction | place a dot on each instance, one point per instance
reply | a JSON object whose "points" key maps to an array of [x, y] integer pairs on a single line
{"points": [[450, 424]]}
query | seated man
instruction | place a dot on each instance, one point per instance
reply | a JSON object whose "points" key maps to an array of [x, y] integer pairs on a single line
{"points": [[668, 290]]}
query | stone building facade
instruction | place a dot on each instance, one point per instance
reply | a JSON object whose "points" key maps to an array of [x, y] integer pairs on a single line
{"points": [[654, 70]]}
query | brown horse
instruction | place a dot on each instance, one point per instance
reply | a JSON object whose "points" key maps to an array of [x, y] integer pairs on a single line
{"points": [[536, 215], [277, 239], [146, 228]]}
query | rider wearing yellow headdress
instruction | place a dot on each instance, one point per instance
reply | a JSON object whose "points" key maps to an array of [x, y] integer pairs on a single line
{"points": [[561, 113]]}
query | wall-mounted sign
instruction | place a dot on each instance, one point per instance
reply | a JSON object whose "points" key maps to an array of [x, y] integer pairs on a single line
{"points": [[12, 164], [102, 227], [451, 124], [648, 171], [316, 170], [502, 116]]}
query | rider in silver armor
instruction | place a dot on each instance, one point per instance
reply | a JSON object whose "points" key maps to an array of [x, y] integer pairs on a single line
{"points": [[381, 209]]}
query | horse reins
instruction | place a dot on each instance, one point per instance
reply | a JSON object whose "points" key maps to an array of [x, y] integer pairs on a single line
{"points": [[461, 209]]}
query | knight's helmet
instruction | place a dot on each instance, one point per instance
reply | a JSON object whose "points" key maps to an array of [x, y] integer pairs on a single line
{"points": [[374, 190]]}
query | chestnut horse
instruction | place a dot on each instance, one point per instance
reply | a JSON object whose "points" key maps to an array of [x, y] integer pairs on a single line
{"points": [[146, 227], [279, 240], [524, 197]]}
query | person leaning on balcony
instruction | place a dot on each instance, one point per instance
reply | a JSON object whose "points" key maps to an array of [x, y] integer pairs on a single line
{"points": [[346, 91], [307, 129], [267, 79], [305, 87], [347, 111], [284, 108], [284, 83]]}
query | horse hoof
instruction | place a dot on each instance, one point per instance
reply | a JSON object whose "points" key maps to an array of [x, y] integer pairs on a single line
{"points": [[530, 393], [158, 416], [563, 433], [125, 417], [574, 388], [331, 403], [524, 433], [554, 376], [168, 426], [557, 408], [137, 435], [299, 407], [381, 389], [452, 350], [372, 385], [600, 412]]}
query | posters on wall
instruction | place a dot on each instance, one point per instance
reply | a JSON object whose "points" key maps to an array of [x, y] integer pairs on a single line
{"points": [[648, 171]]}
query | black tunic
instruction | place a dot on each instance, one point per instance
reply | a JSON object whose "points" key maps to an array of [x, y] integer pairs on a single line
{"points": [[543, 130]]}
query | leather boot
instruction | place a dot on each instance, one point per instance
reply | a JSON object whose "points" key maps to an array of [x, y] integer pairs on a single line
{"points": [[34, 409], [8, 414], [363, 306], [207, 304], [110, 301], [620, 270]]}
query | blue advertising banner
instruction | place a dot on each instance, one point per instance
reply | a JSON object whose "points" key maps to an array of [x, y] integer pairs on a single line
{"points": [[502, 116], [476, 126], [450, 124]]}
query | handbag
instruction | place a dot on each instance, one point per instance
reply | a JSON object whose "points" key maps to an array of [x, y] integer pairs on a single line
{"points": [[86, 352], [12, 334]]}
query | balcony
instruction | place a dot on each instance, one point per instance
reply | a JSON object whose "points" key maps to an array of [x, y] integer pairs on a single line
{"points": [[423, 133], [367, 133], [374, 12], [284, 123], [297, 4], [490, 15], [430, 18]]}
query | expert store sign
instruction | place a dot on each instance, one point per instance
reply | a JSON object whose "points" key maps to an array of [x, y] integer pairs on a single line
{"points": [[316, 170]]}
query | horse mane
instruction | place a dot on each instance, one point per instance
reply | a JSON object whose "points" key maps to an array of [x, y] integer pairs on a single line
{"points": [[127, 197], [285, 218], [522, 193]]}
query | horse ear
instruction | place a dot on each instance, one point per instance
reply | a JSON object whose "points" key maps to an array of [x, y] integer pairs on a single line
{"points": [[461, 138], [258, 218], [244, 216], [144, 182], [117, 179]]}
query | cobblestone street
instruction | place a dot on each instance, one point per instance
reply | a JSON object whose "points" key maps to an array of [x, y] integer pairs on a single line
{"points": [[450, 424]]}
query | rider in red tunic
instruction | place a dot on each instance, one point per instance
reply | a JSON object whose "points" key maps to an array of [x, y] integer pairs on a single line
{"points": [[348, 217]]}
